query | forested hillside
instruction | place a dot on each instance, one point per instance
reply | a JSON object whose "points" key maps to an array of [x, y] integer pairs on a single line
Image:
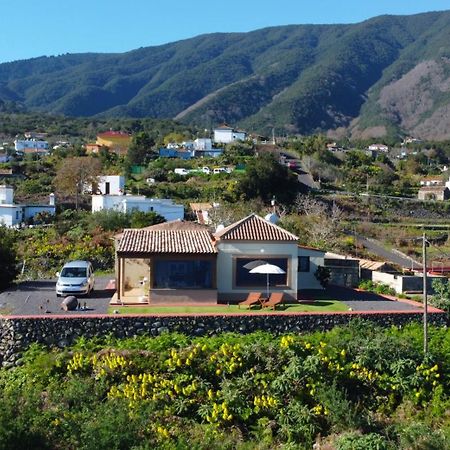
{"points": [[386, 75]]}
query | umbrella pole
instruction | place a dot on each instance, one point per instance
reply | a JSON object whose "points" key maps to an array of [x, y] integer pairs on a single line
{"points": [[267, 285]]}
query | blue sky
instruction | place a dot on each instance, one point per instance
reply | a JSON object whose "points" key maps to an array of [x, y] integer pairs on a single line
{"points": [[31, 28]]}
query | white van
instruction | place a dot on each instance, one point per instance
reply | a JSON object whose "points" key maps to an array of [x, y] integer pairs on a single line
{"points": [[181, 171], [76, 277], [206, 170]]}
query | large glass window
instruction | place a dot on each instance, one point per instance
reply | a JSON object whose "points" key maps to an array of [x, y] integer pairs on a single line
{"points": [[246, 279], [178, 274]]}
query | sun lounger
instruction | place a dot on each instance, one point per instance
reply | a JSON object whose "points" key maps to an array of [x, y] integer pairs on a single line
{"points": [[253, 298], [274, 300]]}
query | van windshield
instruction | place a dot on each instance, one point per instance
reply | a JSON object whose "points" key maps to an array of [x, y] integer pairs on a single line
{"points": [[74, 272]]}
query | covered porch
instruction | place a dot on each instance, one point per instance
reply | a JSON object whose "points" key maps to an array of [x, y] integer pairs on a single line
{"points": [[169, 263], [166, 279]]}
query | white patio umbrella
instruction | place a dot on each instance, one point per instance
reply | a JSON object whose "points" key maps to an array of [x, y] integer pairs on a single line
{"points": [[267, 269], [253, 264]]}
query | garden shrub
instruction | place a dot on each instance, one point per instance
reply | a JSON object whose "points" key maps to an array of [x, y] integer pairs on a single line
{"points": [[357, 441], [232, 391]]}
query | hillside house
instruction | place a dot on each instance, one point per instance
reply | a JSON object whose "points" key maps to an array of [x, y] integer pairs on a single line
{"points": [[184, 262], [31, 146], [435, 180], [203, 144], [12, 214], [225, 134], [116, 141], [378, 148], [111, 196], [434, 193]]}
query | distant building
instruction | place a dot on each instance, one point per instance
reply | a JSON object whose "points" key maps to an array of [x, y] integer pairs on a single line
{"points": [[410, 140], [112, 196], [434, 193], [225, 134], [92, 148], [12, 214], [35, 135], [203, 144], [116, 141], [211, 153], [181, 153], [378, 148], [435, 180], [111, 185], [26, 146]]}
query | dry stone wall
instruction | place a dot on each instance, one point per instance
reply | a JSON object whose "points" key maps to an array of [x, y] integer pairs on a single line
{"points": [[17, 333]]}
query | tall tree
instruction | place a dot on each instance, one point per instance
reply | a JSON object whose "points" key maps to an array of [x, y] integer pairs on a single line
{"points": [[141, 146], [76, 175], [266, 178]]}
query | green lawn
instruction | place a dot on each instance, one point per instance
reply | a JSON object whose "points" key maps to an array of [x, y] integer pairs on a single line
{"points": [[318, 306]]}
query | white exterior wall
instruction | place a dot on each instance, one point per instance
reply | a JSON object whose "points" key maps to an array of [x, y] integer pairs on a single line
{"points": [[228, 251], [10, 215], [21, 145], [223, 136], [239, 136], [116, 184], [307, 280], [6, 195], [128, 203], [203, 144]]}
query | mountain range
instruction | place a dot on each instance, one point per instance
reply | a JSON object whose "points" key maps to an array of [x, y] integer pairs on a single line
{"points": [[388, 75]]}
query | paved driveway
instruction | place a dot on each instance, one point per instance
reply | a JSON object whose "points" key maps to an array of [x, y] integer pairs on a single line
{"points": [[367, 301], [39, 297]]}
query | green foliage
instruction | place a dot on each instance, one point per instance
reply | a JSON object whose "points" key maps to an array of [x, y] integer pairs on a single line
{"points": [[45, 251], [140, 219], [441, 297], [356, 441], [8, 257], [140, 149], [265, 178], [232, 392], [111, 220], [378, 288]]}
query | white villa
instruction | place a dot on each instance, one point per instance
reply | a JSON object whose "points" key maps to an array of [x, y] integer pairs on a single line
{"points": [[12, 214], [225, 135], [111, 196]]}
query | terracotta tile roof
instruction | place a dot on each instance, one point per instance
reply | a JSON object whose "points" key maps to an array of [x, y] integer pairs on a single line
{"points": [[169, 237], [254, 228]]}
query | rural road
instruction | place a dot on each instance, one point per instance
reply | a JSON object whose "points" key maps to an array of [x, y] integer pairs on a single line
{"points": [[388, 255]]}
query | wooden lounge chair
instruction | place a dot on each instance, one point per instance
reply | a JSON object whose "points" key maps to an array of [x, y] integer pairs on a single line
{"points": [[274, 300], [253, 298]]}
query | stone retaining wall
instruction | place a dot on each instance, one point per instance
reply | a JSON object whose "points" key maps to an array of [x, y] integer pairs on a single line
{"points": [[17, 333]]}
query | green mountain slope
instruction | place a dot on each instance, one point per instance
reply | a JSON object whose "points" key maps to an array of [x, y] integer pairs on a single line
{"points": [[300, 78]]}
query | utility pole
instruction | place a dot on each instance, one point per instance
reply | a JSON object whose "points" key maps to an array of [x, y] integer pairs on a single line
{"points": [[425, 299]]}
